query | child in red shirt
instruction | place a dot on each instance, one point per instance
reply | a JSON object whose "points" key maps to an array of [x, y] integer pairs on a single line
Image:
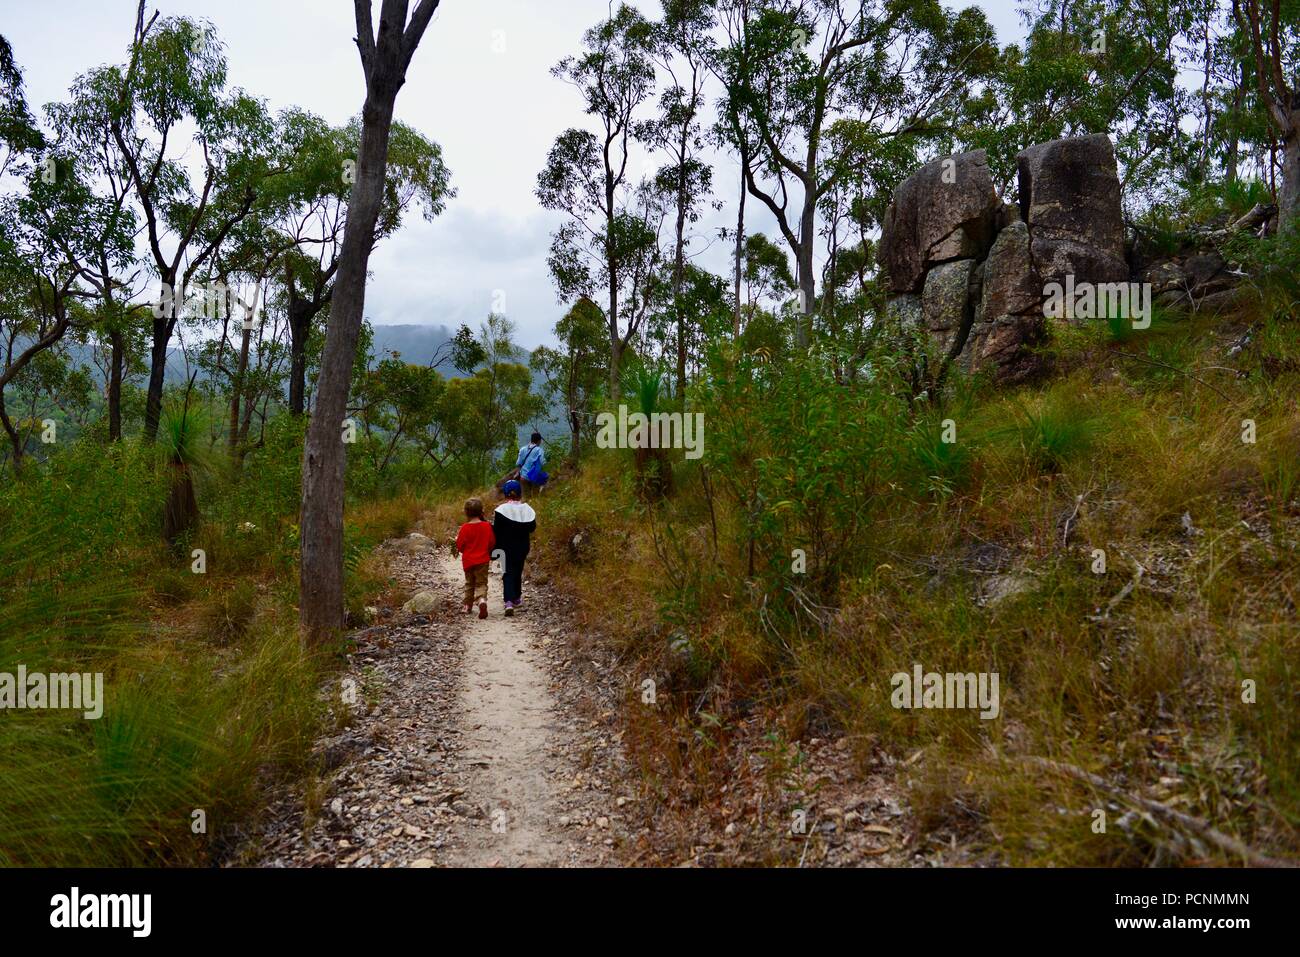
{"points": [[475, 542]]}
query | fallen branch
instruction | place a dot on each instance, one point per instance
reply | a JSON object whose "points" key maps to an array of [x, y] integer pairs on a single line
{"points": [[1123, 592], [1182, 372], [1194, 824], [1069, 522]]}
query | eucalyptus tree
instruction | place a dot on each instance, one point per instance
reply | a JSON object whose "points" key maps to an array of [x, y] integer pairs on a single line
{"points": [[879, 69], [1091, 66], [19, 133], [246, 354], [176, 80], [766, 270], [50, 232], [482, 413], [385, 56], [1272, 30], [574, 375], [586, 176], [81, 128], [683, 47], [311, 199]]}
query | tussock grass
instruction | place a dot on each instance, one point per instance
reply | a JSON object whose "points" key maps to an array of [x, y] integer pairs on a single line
{"points": [[209, 695]]}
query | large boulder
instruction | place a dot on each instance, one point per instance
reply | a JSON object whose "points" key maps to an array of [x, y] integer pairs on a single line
{"points": [[1070, 199], [948, 301], [1008, 321], [947, 210], [905, 311], [1011, 286], [1005, 346]]}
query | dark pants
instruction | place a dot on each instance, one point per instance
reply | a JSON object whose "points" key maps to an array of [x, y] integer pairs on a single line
{"points": [[512, 576], [528, 488]]}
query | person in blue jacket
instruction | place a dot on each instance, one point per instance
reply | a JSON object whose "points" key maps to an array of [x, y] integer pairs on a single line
{"points": [[529, 463], [513, 522]]}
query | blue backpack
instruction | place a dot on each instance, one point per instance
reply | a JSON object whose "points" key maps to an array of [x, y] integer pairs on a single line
{"points": [[532, 468]]}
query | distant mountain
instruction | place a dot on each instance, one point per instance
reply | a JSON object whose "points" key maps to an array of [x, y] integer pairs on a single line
{"points": [[415, 344]]}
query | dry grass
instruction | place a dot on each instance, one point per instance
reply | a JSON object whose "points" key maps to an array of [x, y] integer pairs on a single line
{"points": [[1140, 685]]}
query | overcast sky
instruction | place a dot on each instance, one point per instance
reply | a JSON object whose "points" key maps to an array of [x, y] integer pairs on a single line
{"points": [[480, 86]]}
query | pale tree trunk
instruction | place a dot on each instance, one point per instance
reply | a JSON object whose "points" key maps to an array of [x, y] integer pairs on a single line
{"points": [[1289, 195], [679, 258], [740, 252], [1279, 94], [384, 58], [807, 283], [679, 270]]}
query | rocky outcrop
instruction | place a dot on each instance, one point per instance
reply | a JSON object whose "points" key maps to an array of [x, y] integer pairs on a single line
{"points": [[948, 301], [946, 211], [978, 269], [1008, 322], [1200, 281], [1070, 200]]}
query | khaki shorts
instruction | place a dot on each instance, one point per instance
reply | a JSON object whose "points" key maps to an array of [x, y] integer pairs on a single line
{"points": [[476, 582]]}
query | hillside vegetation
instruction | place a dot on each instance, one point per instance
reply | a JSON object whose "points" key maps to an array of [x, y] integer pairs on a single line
{"points": [[979, 555]]}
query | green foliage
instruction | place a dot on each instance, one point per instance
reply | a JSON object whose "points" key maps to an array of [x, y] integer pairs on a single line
{"points": [[208, 693], [802, 459], [648, 382], [1055, 432], [944, 463]]}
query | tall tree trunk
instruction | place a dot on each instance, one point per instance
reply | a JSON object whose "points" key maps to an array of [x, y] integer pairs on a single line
{"points": [[615, 343], [299, 328], [153, 397], [14, 439], [116, 365], [237, 388], [384, 57], [611, 267], [1289, 195], [807, 282], [740, 250], [162, 334], [679, 264], [1233, 160], [615, 360], [571, 402]]}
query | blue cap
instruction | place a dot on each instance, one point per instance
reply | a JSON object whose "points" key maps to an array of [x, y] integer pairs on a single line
{"points": [[511, 488]]}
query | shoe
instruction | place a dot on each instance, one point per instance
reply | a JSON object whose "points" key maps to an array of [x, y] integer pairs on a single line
{"points": [[510, 609], [482, 609]]}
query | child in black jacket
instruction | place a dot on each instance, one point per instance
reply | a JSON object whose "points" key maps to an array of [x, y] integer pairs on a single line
{"points": [[513, 522]]}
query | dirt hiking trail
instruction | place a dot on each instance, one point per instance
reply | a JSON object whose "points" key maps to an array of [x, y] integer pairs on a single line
{"points": [[471, 743], [509, 719]]}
